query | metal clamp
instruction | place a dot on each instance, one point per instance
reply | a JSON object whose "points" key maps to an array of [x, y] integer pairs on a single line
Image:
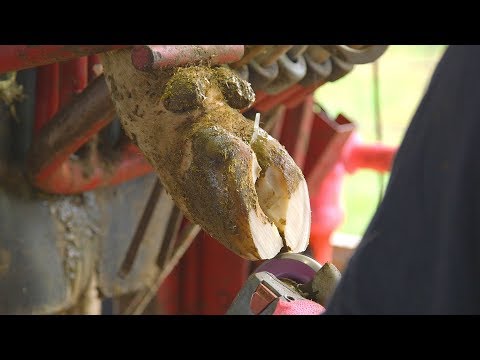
{"points": [[291, 69], [362, 54], [264, 68], [260, 295], [340, 68]]}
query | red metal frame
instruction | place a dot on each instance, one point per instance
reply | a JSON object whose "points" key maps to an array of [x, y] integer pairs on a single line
{"points": [[153, 57], [18, 57], [57, 84], [201, 286], [296, 130], [327, 140], [47, 94]]}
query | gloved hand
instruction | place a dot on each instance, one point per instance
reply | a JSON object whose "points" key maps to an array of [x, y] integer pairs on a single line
{"points": [[298, 307]]}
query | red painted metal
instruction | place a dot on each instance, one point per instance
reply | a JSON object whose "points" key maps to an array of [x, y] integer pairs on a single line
{"points": [[154, 57], [327, 213], [179, 293], [169, 293], [73, 177], [209, 278], [47, 95], [259, 97], [277, 128], [327, 139], [297, 97], [190, 279], [64, 154], [290, 97], [63, 175], [268, 102], [377, 157], [73, 78], [345, 155], [297, 125], [18, 57], [219, 286]]}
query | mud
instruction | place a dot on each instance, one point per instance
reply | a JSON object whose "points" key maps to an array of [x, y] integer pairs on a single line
{"points": [[10, 91], [78, 234]]}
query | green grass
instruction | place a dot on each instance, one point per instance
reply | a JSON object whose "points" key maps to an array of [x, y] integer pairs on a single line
{"points": [[404, 74]]}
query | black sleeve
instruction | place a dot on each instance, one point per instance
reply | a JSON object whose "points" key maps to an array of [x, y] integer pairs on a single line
{"points": [[421, 251]]}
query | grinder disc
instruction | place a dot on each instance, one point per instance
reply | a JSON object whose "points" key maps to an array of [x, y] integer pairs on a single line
{"points": [[297, 267]]}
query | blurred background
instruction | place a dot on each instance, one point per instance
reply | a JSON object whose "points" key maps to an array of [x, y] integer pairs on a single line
{"points": [[403, 74]]}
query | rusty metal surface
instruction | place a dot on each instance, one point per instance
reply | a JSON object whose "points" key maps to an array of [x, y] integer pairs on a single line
{"points": [[18, 57], [51, 165], [70, 128], [154, 57]]}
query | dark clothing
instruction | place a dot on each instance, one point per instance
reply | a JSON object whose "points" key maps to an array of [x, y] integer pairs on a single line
{"points": [[421, 251]]}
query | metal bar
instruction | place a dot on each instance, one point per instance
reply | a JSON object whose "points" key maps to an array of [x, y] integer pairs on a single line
{"points": [[185, 238], [173, 228], [268, 102], [70, 128], [73, 78], [139, 234], [296, 130], [154, 57], [222, 279], [297, 97], [169, 293], [18, 57], [80, 74], [325, 149], [189, 275], [74, 177], [377, 157]]}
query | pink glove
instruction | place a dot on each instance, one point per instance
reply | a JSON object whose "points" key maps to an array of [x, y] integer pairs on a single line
{"points": [[298, 307]]}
